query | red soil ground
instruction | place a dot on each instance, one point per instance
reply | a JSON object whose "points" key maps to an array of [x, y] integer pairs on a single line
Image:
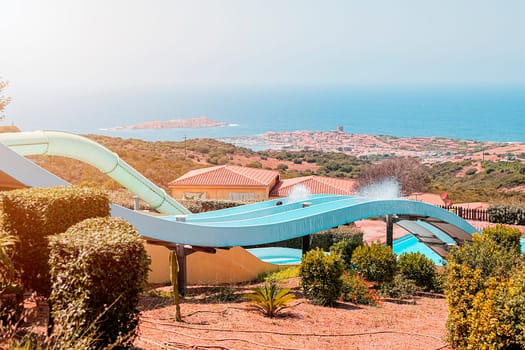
{"points": [[209, 323]]}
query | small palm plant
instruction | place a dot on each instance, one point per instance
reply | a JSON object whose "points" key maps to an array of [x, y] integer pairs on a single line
{"points": [[270, 299]]}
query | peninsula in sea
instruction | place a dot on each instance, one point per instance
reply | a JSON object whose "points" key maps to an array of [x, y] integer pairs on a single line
{"points": [[197, 122]]}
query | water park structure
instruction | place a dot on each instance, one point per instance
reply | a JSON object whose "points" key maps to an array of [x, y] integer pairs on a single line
{"points": [[246, 225]]}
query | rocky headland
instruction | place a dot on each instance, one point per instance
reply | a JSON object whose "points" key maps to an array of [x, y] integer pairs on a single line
{"points": [[197, 122]]}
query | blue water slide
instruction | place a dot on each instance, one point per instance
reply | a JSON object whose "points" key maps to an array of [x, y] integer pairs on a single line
{"points": [[250, 224]]}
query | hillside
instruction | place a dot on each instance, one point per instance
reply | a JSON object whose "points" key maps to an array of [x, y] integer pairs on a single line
{"points": [[162, 162]]}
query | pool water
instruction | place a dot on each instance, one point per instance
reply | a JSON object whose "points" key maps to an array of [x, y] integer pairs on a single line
{"points": [[410, 244], [278, 255], [405, 244]]}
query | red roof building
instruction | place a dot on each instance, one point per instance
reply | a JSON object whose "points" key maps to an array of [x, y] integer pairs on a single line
{"points": [[237, 183], [315, 185], [226, 182]]}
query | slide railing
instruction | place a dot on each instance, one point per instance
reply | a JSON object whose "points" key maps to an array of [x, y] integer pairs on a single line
{"points": [[58, 143]]}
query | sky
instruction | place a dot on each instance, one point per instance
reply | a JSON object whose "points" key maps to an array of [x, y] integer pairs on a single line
{"points": [[66, 47]]}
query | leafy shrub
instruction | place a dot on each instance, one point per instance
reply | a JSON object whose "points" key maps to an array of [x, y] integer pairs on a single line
{"points": [[324, 239], [33, 214], [356, 289], [11, 298], [418, 268], [462, 285], [507, 214], [505, 237], [321, 277], [471, 272], [491, 254], [7, 268], [270, 299], [497, 318], [486, 331], [400, 287], [99, 267], [375, 262], [345, 248]]}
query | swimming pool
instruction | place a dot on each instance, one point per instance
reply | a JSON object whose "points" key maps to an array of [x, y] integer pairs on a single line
{"points": [[278, 255], [290, 256], [410, 244]]}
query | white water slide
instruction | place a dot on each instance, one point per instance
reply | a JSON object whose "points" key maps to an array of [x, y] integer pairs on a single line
{"points": [[245, 225]]}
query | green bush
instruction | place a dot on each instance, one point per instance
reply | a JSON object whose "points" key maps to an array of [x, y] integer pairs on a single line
{"points": [[321, 277], [472, 273], [11, 298], [418, 268], [507, 214], [400, 287], [324, 239], [356, 289], [33, 214], [505, 237], [375, 262], [494, 253], [462, 285], [7, 268], [99, 267], [345, 248], [497, 318]]}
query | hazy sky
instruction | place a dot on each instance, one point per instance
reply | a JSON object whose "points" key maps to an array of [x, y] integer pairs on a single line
{"points": [[95, 44], [71, 60]]}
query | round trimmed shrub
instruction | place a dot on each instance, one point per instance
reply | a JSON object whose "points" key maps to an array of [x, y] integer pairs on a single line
{"points": [[321, 277], [375, 262], [418, 268], [99, 267]]}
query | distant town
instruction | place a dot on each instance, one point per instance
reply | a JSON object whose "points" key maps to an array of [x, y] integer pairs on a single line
{"points": [[429, 149]]}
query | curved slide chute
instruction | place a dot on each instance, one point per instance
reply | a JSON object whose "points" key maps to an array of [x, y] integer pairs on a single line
{"points": [[246, 225], [57, 143]]}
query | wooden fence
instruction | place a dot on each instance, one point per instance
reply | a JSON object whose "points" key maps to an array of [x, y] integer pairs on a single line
{"points": [[468, 213]]}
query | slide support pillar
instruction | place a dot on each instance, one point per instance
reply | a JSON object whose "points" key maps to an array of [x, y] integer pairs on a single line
{"points": [[182, 276], [306, 244], [389, 231]]}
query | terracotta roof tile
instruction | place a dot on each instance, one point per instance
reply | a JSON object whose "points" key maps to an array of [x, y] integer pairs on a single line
{"points": [[315, 185], [227, 175]]}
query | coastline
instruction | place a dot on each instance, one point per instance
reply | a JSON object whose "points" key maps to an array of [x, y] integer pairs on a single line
{"points": [[429, 149]]}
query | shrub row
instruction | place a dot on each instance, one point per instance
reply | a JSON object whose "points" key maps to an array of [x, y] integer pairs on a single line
{"points": [[367, 269], [323, 240], [201, 206], [34, 214], [507, 214]]}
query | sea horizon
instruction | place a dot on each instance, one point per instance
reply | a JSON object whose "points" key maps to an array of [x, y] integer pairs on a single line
{"points": [[480, 113], [494, 114]]}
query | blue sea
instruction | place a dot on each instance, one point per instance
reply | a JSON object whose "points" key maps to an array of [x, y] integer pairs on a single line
{"points": [[473, 113]]}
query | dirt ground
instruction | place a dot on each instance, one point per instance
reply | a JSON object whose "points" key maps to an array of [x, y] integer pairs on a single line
{"points": [[219, 318]]}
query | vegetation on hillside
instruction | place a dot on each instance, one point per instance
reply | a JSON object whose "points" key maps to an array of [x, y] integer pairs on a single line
{"points": [[496, 181], [162, 162]]}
